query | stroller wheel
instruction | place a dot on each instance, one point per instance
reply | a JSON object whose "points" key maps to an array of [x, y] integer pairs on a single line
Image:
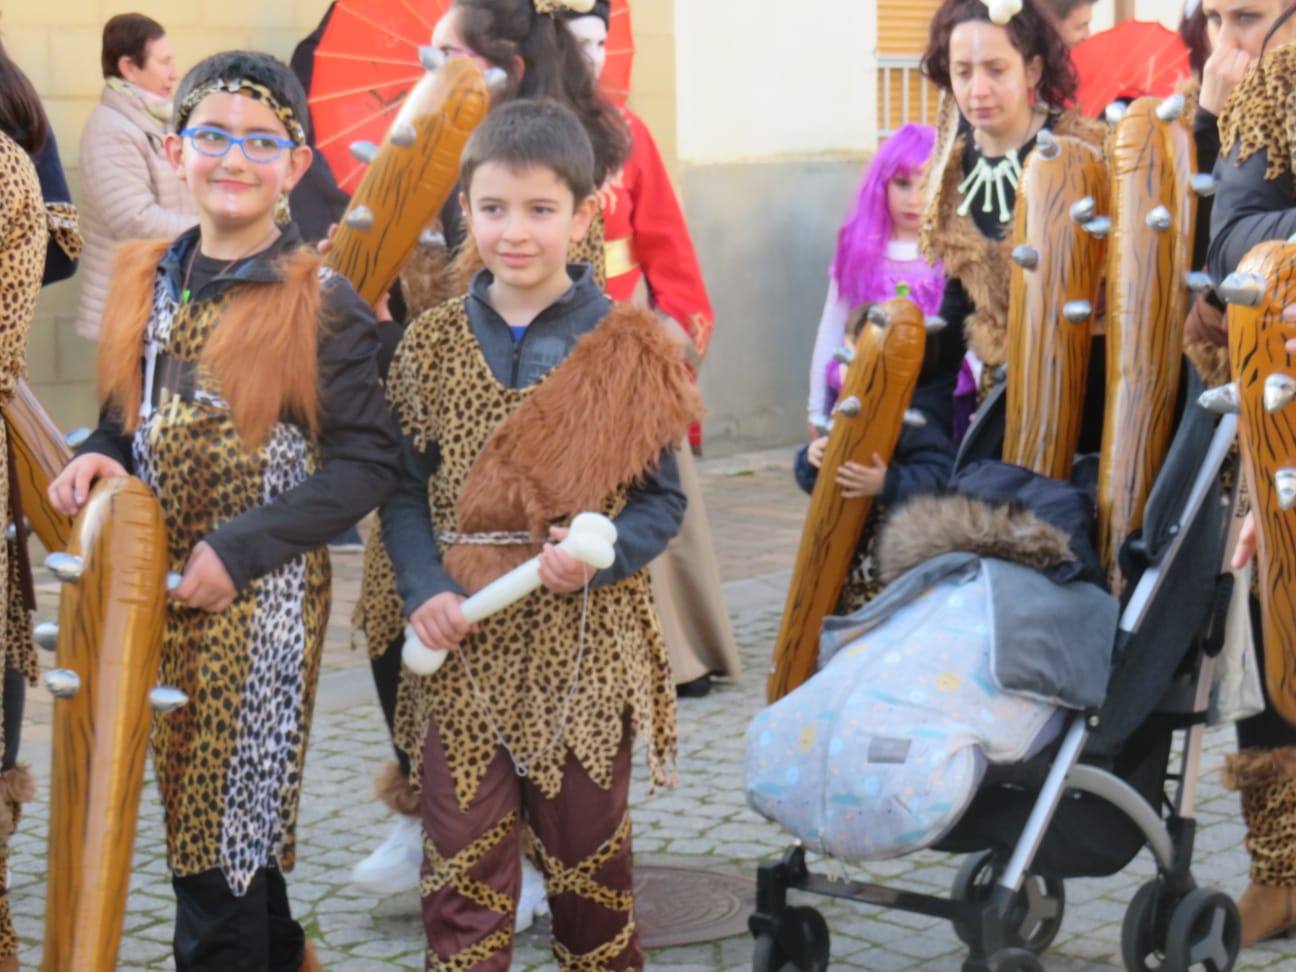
{"points": [[799, 943], [1143, 930], [1033, 920], [1015, 960], [1205, 932]]}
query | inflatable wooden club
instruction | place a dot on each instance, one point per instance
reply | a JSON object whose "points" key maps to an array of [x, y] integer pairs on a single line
{"points": [[1058, 266], [410, 176], [39, 454], [1264, 385], [109, 648], [867, 419], [1153, 203]]}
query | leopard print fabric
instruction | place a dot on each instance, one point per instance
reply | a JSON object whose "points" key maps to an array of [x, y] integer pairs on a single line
{"points": [[229, 764], [862, 583], [1260, 114], [1269, 810], [24, 235], [516, 676], [377, 614]]}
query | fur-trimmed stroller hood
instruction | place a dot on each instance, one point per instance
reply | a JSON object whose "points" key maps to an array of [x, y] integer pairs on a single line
{"points": [[1001, 511]]}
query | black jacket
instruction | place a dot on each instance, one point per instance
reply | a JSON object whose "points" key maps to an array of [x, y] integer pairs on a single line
{"points": [[654, 508], [923, 462], [1248, 209], [1205, 128], [54, 188], [357, 437]]}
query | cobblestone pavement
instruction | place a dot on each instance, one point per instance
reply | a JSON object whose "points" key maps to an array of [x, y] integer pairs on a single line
{"points": [[756, 515]]}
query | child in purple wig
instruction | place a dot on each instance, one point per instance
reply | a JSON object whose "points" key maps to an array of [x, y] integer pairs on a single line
{"points": [[877, 250]]}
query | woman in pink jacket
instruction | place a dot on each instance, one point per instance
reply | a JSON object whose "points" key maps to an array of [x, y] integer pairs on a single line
{"points": [[128, 191]]}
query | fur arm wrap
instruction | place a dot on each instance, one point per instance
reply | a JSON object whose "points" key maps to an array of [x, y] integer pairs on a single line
{"points": [[595, 424]]}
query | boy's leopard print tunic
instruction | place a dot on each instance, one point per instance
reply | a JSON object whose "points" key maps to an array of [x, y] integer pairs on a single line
{"points": [[377, 613], [516, 674], [229, 763]]}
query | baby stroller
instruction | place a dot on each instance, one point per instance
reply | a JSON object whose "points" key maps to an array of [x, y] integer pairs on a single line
{"points": [[1093, 786]]}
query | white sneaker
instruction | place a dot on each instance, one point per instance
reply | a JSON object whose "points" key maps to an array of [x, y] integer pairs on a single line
{"points": [[393, 867], [532, 901]]}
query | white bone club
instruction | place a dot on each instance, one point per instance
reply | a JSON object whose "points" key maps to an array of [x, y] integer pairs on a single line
{"points": [[590, 541]]}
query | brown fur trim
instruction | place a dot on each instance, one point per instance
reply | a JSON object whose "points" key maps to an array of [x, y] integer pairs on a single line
{"points": [[1259, 767], [982, 265], [121, 339], [1190, 88], [597, 422], [262, 354], [16, 786], [929, 526], [394, 788], [1210, 360], [426, 280], [465, 265]]}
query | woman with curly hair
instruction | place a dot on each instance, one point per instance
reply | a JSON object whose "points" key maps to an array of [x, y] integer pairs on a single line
{"points": [[1001, 85]]}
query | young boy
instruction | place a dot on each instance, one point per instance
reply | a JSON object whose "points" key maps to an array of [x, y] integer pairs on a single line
{"points": [[239, 382], [527, 401]]}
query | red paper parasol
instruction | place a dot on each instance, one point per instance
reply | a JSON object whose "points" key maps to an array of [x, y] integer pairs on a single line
{"points": [[368, 59], [1131, 60]]}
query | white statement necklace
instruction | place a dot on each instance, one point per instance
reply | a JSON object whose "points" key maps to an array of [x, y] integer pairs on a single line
{"points": [[988, 181]]}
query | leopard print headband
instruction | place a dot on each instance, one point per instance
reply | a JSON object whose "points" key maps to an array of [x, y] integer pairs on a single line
{"points": [[252, 89], [552, 7]]}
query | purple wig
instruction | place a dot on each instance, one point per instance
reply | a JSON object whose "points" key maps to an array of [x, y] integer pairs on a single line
{"points": [[862, 241]]}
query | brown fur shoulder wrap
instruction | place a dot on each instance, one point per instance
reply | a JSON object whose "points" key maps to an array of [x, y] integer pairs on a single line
{"points": [[262, 354], [928, 526], [598, 421]]}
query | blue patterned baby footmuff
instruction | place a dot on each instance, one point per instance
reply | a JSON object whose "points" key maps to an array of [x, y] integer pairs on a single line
{"points": [[881, 752]]}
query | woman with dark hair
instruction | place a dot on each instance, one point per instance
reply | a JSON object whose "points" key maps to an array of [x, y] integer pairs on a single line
{"points": [[23, 236], [1255, 201], [526, 40], [1002, 85], [650, 260], [128, 190], [1073, 19]]}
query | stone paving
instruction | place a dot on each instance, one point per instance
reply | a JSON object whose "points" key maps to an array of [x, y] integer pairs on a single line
{"points": [[756, 516]]}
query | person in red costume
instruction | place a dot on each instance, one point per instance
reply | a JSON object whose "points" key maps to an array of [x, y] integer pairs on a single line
{"points": [[650, 259], [647, 238]]}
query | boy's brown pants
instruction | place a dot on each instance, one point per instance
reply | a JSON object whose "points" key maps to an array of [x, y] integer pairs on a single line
{"points": [[471, 871]]}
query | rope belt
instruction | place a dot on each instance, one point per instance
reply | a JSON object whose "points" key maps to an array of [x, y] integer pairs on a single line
{"points": [[498, 538]]}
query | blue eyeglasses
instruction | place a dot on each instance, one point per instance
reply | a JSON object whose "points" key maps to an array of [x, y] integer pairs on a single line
{"points": [[216, 143]]}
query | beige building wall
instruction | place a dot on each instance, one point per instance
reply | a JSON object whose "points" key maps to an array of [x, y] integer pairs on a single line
{"points": [[777, 111]]}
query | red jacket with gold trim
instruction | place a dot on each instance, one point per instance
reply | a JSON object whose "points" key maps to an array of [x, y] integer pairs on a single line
{"points": [[647, 237]]}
